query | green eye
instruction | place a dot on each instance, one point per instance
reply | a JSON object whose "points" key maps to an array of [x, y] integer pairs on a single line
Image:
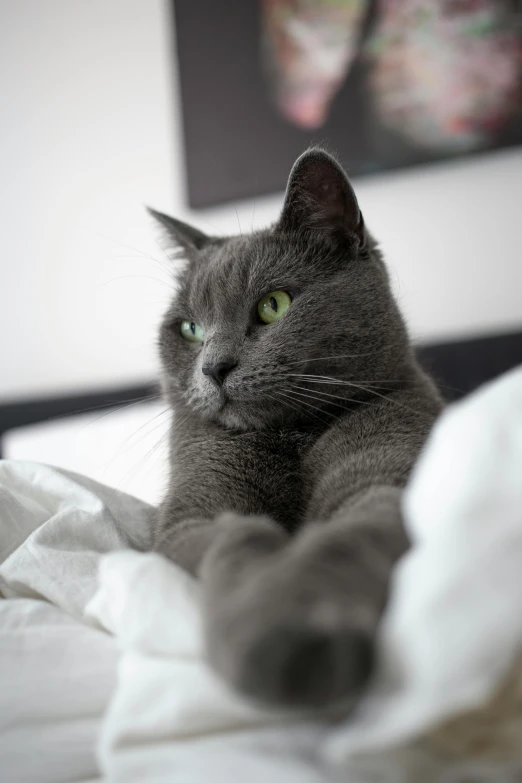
{"points": [[273, 305], [192, 332]]}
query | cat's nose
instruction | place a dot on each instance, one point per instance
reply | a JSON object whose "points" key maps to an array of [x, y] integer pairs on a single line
{"points": [[218, 371]]}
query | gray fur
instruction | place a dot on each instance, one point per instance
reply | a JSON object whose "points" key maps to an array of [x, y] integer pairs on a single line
{"points": [[286, 482]]}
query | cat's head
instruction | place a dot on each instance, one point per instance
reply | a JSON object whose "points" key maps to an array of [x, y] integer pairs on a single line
{"points": [[286, 324]]}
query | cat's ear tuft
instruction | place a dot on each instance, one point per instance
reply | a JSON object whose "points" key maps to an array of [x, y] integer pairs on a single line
{"points": [[187, 237], [319, 196]]}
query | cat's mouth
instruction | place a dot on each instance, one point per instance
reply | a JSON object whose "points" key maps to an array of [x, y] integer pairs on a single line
{"points": [[232, 408], [222, 402], [230, 412], [225, 400]]}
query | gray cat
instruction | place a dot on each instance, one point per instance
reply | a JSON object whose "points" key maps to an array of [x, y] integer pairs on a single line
{"points": [[299, 412]]}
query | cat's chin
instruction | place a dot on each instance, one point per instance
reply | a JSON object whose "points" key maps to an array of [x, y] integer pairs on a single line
{"points": [[235, 417], [243, 414], [242, 417]]}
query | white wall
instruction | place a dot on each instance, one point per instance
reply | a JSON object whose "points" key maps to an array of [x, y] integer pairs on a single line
{"points": [[90, 132]]}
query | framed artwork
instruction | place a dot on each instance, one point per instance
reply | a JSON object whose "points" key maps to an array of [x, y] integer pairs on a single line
{"points": [[382, 83]]}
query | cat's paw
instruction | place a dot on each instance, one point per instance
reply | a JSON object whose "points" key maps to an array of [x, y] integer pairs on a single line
{"points": [[302, 666], [280, 644]]}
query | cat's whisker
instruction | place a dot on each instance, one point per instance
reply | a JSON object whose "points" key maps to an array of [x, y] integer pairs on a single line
{"points": [[339, 356], [130, 442], [167, 275], [277, 400], [293, 390], [332, 396], [329, 380], [298, 407], [330, 401], [134, 471], [279, 395], [141, 253], [307, 404], [129, 277], [169, 259], [116, 406], [141, 459], [239, 224], [368, 353], [372, 383], [175, 425]]}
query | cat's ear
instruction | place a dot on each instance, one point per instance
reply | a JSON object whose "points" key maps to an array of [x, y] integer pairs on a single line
{"points": [[319, 196], [186, 236]]}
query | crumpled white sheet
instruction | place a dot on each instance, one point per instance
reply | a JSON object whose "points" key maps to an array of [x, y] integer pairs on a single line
{"points": [[452, 631], [57, 669]]}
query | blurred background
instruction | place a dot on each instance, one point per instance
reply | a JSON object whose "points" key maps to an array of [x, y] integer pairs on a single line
{"points": [[198, 108]]}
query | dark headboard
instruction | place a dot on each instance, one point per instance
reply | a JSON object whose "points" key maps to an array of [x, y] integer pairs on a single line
{"points": [[32, 411], [458, 367], [461, 366]]}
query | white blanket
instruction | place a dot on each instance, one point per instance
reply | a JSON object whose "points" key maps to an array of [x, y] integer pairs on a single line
{"points": [[57, 671], [452, 632]]}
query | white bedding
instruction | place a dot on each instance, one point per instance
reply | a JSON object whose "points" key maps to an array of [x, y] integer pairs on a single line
{"points": [[102, 677], [126, 447]]}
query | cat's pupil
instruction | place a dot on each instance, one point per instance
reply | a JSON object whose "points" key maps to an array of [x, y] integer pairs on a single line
{"points": [[193, 327], [273, 304]]}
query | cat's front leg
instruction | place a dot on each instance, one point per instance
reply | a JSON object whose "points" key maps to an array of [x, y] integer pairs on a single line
{"points": [[186, 542], [255, 475], [244, 540], [297, 627]]}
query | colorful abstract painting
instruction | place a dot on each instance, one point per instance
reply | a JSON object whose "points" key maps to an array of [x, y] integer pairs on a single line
{"points": [[383, 83]]}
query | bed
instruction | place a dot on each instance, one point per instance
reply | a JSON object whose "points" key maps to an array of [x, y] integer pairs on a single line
{"points": [[130, 428], [103, 670]]}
